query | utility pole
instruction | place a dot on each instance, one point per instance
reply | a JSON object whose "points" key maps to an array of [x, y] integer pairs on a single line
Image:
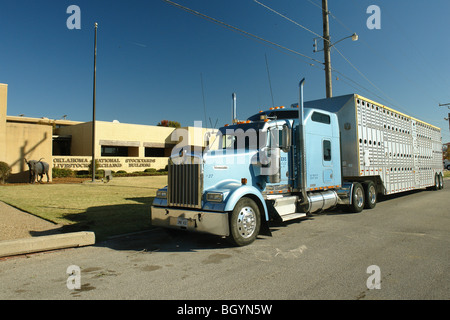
{"points": [[448, 106], [326, 48], [93, 104]]}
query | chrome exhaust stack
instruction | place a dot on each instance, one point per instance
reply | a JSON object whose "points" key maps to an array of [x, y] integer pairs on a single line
{"points": [[233, 110], [302, 148]]}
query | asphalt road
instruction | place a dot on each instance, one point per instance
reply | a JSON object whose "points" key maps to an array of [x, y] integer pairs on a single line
{"points": [[327, 256]]}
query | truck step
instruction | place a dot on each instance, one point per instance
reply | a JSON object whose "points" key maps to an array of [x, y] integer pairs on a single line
{"points": [[291, 216]]}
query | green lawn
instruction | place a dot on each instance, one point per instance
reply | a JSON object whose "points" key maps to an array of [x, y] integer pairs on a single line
{"points": [[117, 207]]}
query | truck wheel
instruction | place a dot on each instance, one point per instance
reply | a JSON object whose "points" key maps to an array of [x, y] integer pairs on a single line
{"points": [[357, 198], [436, 182], [245, 222], [370, 194], [441, 181]]}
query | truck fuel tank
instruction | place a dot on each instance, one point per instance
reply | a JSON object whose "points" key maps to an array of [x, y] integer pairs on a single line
{"points": [[322, 200]]}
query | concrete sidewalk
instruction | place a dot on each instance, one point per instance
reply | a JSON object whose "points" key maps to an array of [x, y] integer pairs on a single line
{"points": [[22, 233]]}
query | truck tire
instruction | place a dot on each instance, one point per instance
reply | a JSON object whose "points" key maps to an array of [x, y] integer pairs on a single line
{"points": [[436, 182], [370, 195], [358, 198], [245, 222], [441, 181]]}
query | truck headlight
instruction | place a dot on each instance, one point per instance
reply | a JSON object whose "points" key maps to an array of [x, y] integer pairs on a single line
{"points": [[214, 196], [161, 194]]}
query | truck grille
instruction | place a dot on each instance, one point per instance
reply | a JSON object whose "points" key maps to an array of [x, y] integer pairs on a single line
{"points": [[184, 185]]}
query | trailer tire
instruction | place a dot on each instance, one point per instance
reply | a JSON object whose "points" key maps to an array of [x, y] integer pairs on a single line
{"points": [[370, 195], [245, 222], [441, 181], [358, 198], [436, 182]]}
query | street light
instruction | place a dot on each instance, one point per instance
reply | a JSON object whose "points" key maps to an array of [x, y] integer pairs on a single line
{"points": [[327, 45], [448, 106], [354, 37], [93, 103]]}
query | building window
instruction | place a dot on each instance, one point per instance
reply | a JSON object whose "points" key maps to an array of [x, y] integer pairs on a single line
{"points": [[61, 146], [155, 152], [110, 151]]}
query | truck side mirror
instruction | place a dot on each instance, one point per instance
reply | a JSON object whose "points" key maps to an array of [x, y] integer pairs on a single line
{"points": [[286, 135]]}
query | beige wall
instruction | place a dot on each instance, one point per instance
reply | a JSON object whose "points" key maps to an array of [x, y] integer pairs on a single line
{"points": [[81, 138], [30, 141], [3, 104], [22, 140]]}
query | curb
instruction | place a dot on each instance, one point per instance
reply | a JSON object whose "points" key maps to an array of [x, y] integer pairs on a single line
{"points": [[46, 243]]}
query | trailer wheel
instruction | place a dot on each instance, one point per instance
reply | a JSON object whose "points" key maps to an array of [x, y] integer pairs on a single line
{"points": [[441, 181], [436, 182], [370, 194], [245, 222], [357, 198]]}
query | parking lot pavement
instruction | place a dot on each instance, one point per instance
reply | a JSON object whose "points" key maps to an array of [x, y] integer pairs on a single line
{"points": [[403, 243]]}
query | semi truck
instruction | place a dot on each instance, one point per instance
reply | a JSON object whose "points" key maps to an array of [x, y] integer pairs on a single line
{"points": [[288, 163]]}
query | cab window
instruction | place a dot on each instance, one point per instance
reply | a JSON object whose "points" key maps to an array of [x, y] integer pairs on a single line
{"points": [[326, 150], [320, 117]]}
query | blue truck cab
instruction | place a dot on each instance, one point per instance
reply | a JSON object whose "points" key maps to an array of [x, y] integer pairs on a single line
{"points": [[253, 177]]}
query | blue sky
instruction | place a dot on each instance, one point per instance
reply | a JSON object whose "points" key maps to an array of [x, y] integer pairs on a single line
{"points": [[152, 58]]}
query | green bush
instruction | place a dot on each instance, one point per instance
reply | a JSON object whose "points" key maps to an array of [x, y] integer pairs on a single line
{"points": [[5, 171], [62, 173]]}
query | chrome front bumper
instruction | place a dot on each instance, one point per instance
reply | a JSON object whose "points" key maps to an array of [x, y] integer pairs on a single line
{"points": [[191, 220]]}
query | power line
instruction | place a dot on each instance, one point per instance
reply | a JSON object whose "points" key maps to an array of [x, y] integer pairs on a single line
{"points": [[277, 46], [290, 20], [377, 52], [404, 35], [346, 59], [266, 42], [332, 15], [362, 74], [203, 96], [270, 82], [228, 26]]}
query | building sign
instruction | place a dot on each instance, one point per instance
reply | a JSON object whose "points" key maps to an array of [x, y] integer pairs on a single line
{"points": [[139, 163], [110, 163]]}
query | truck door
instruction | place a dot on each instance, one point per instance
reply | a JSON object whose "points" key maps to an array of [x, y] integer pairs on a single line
{"points": [[326, 161]]}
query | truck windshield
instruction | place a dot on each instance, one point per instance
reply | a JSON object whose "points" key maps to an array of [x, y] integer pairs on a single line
{"points": [[240, 139]]}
